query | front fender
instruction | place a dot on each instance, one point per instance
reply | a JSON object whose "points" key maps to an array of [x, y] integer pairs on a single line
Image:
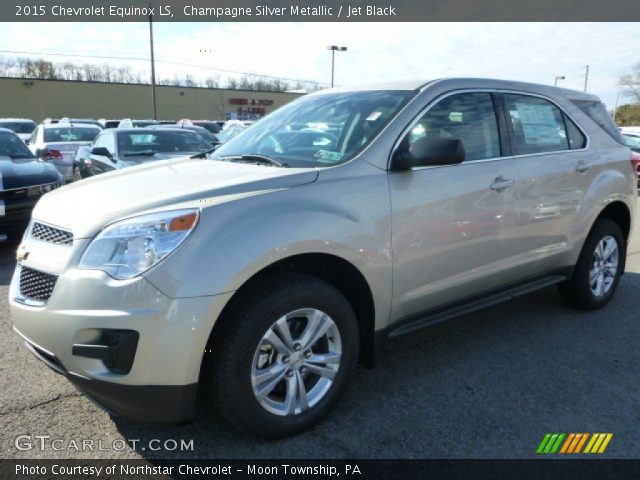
{"points": [[238, 238]]}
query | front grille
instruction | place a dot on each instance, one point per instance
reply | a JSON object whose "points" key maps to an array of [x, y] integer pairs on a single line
{"points": [[35, 284], [48, 234]]}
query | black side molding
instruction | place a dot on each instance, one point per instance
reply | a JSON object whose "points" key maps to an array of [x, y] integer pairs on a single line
{"points": [[476, 303]]}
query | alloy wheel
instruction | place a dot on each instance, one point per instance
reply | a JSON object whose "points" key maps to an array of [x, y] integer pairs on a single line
{"points": [[296, 362], [604, 266]]}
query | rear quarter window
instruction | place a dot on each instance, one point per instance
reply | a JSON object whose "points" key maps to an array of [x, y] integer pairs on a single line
{"points": [[598, 113]]}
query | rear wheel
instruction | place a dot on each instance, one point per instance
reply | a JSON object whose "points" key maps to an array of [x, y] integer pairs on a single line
{"points": [[284, 355], [599, 267]]}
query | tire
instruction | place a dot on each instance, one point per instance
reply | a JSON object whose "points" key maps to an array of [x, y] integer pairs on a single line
{"points": [[77, 176], [234, 372], [579, 291]]}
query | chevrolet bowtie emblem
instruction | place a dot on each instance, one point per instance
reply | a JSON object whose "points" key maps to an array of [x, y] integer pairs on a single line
{"points": [[22, 253]]}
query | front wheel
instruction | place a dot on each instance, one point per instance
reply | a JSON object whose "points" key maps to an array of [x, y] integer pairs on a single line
{"points": [[600, 265], [77, 176], [283, 356]]}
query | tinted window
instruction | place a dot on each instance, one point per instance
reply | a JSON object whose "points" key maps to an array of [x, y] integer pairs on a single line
{"points": [[146, 142], [577, 139], [70, 134], [19, 127], [469, 117], [537, 125], [11, 146], [596, 112]]}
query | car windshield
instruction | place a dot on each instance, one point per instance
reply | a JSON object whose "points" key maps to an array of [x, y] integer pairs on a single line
{"points": [[158, 141], [632, 140], [70, 134], [318, 131], [19, 127], [12, 146]]}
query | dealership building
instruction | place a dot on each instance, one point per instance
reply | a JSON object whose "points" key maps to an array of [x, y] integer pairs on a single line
{"points": [[40, 99]]}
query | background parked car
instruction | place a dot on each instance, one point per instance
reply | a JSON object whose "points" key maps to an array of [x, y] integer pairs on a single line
{"points": [[58, 143], [125, 147], [212, 127], [205, 134], [24, 181], [23, 127]]}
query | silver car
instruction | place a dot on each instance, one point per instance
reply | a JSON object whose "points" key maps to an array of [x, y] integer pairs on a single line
{"points": [[264, 273], [58, 143]]}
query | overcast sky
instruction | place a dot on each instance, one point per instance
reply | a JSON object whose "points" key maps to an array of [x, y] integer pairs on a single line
{"points": [[535, 52]]}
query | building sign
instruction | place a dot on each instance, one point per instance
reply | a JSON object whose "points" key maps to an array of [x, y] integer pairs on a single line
{"points": [[250, 101]]}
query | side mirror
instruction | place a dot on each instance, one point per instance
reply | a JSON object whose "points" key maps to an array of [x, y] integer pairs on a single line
{"points": [[100, 152], [429, 152]]}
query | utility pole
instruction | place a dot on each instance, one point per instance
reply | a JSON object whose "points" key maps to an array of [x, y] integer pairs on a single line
{"points": [[586, 78], [153, 70]]}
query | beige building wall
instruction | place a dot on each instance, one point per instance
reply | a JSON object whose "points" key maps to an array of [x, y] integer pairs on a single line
{"points": [[39, 99]]}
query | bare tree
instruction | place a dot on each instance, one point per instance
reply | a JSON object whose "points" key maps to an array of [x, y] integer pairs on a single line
{"points": [[630, 83]]}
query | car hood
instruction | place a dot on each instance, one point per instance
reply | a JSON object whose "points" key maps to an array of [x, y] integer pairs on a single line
{"points": [[27, 172], [88, 205]]}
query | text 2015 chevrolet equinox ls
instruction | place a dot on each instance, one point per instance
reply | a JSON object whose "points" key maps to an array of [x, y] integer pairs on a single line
{"points": [[265, 271]]}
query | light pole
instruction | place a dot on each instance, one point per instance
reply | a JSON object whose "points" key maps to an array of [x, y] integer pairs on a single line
{"points": [[558, 77], [334, 49], [153, 70]]}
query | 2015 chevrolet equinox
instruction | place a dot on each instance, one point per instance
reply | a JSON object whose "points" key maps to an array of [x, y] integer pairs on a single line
{"points": [[263, 271]]}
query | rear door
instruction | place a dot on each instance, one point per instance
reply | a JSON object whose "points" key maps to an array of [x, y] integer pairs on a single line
{"points": [[452, 225], [555, 167]]}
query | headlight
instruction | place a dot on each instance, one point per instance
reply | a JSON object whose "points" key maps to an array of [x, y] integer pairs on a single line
{"points": [[132, 246]]}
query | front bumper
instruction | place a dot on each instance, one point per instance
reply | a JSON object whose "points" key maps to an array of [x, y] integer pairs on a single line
{"points": [[159, 385], [158, 405]]}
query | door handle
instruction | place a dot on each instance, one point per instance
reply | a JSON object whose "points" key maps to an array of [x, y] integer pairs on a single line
{"points": [[582, 166], [501, 183]]}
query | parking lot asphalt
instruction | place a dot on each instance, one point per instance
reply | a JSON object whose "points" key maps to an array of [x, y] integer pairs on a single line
{"points": [[486, 385]]}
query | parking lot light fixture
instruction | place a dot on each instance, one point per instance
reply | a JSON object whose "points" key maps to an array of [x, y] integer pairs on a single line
{"points": [[334, 49], [558, 77]]}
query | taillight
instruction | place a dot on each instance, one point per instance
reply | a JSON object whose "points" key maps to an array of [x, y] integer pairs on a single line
{"points": [[635, 161], [51, 155]]}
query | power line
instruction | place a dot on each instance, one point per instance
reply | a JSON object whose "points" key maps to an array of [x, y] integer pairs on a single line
{"points": [[168, 62]]}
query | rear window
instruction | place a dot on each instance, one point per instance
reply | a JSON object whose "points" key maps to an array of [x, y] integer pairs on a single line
{"points": [[11, 146], [19, 127], [596, 112], [71, 134]]}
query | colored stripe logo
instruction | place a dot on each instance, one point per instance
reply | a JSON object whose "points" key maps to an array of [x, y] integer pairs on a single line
{"points": [[574, 443]]}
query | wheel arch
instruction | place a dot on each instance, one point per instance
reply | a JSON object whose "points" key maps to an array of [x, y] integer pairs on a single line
{"points": [[335, 270], [619, 213]]}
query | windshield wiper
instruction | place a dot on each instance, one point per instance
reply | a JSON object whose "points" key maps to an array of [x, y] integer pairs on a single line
{"points": [[256, 158], [143, 153]]}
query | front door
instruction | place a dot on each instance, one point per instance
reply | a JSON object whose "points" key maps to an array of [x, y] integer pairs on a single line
{"points": [[451, 225]]}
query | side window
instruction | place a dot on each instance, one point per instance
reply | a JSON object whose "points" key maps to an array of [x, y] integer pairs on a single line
{"points": [[577, 139], [469, 117], [537, 125]]}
